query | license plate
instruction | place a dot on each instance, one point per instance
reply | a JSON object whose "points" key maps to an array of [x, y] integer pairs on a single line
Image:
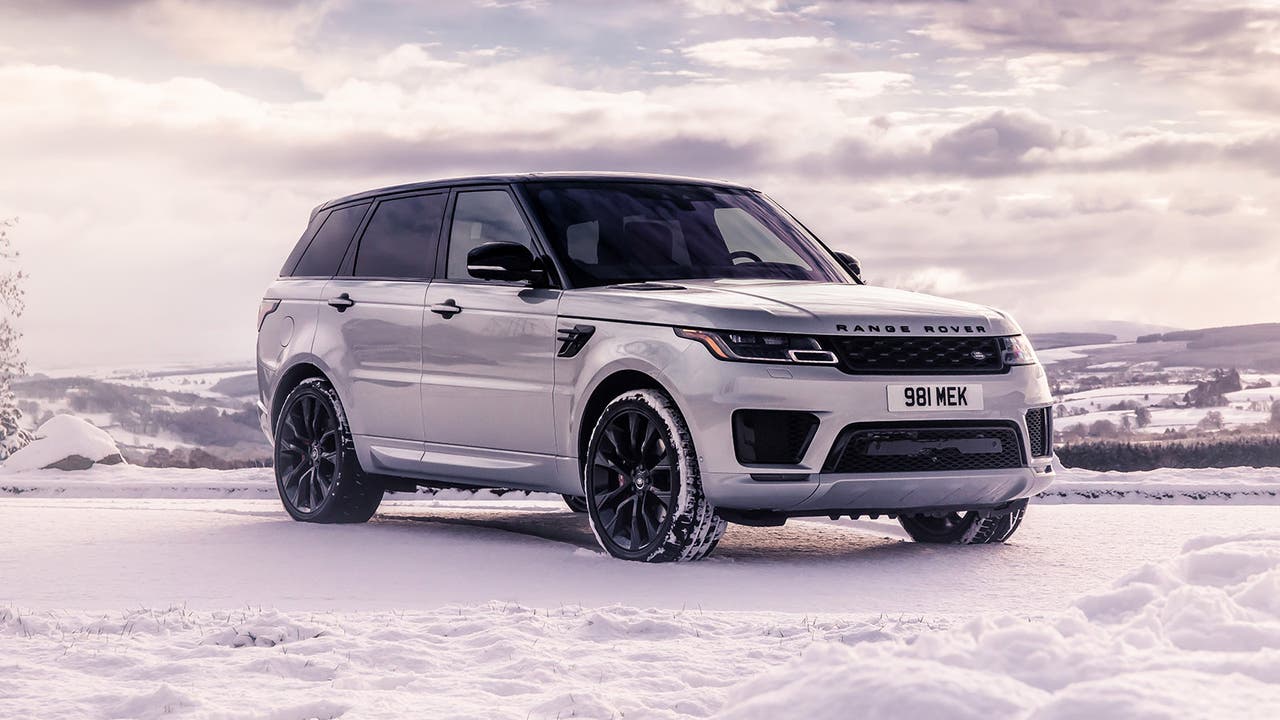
{"points": [[925, 397]]}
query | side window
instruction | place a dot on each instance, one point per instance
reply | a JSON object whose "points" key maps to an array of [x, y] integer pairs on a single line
{"points": [[325, 252], [743, 233], [299, 247], [479, 217], [401, 239]]}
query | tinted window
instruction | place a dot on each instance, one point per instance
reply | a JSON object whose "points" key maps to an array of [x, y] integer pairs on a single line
{"points": [[302, 243], [626, 232], [400, 240], [325, 252], [479, 217]]}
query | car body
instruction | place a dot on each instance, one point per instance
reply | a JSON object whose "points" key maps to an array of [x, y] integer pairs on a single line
{"points": [[449, 380]]}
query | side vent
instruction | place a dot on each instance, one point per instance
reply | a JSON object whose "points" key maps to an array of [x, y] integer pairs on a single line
{"points": [[573, 339]]}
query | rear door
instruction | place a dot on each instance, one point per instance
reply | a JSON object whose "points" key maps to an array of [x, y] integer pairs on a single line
{"points": [[371, 332], [488, 354]]}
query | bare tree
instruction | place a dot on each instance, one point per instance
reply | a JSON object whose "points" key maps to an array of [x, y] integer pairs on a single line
{"points": [[12, 435]]}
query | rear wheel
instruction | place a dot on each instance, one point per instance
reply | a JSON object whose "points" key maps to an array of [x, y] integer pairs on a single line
{"points": [[317, 473], [644, 493], [970, 528]]}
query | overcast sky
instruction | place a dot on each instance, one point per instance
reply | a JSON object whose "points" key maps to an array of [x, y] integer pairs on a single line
{"points": [[1110, 160]]}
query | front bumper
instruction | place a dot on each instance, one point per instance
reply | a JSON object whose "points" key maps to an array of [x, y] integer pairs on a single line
{"points": [[709, 391]]}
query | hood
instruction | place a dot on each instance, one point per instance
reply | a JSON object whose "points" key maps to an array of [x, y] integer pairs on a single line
{"points": [[786, 306]]}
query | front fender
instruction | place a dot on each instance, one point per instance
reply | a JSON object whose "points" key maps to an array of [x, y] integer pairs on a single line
{"points": [[613, 348]]}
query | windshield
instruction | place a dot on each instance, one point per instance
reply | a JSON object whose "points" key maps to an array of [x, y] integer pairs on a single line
{"points": [[607, 233]]}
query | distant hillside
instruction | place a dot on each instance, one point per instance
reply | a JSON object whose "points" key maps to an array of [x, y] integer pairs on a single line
{"points": [[1048, 341], [1219, 336], [1122, 330]]}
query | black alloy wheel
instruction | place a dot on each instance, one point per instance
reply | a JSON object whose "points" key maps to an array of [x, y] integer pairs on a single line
{"points": [[633, 483], [317, 473], [308, 453], [966, 528]]}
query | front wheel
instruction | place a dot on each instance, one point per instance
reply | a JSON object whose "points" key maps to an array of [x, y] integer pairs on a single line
{"points": [[644, 493], [970, 528], [317, 473]]}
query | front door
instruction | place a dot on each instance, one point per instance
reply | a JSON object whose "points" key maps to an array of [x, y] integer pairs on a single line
{"points": [[488, 353]]}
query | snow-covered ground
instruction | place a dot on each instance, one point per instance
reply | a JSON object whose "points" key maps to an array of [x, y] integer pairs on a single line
{"points": [[221, 609], [114, 604]]}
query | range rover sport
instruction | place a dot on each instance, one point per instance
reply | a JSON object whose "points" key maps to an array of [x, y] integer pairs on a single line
{"points": [[669, 354]]}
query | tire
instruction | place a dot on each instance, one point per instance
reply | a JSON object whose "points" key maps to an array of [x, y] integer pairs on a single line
{"points": [[971, 528], [317, 474], [575, 503], [644, 493]]}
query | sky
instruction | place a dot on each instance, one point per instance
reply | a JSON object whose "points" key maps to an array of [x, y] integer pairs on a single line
{"points": [[1068, 162]]}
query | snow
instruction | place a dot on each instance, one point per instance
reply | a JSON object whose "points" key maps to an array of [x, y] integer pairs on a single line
{"points": [[123, 593], [60, 437], [218, 609], [1074, 352], [1241, 485], [1144, 394]]}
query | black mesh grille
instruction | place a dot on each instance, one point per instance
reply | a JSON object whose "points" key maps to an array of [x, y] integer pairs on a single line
{"points": [[772, 437], [915, 448], [1040, 431], [907, 355]]}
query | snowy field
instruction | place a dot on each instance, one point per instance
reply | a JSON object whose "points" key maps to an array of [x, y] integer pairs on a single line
{"points": [[460, 606]]}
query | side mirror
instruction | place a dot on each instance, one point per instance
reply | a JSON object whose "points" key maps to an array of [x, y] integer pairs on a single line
{"points": [[507, 261], [852, 265]]}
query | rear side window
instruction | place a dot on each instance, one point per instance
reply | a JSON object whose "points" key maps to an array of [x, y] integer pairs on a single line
{"points": [[299, 247], [402, 238], [324, 254]]}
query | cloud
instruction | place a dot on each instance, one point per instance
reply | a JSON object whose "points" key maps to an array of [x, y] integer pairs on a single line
{"points": [[1050, 164], [755, 53]]}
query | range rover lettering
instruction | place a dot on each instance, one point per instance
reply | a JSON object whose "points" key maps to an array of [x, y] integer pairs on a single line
{"points": [[669, 354]]}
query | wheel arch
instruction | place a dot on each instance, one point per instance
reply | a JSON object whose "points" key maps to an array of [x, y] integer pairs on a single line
{"points": [[610, 387], [290, 379]]}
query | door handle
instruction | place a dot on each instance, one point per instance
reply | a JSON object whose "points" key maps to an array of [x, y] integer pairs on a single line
{"points": [[342, 302], [446, 309]]}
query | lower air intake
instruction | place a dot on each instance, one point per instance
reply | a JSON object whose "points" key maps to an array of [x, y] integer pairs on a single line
{"points": [[925, 447]]}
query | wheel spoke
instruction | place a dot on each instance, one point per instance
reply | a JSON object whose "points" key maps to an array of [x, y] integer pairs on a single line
{"points": [[608, 496], [604, 461], [660, 496], [649, 444], [302, 500], [634, 422], [611, 434], [637, 509], [652, 523], [319, 419], [317, 488]]}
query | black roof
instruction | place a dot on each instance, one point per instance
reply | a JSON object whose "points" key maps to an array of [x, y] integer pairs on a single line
{"points": [[530, 177]]}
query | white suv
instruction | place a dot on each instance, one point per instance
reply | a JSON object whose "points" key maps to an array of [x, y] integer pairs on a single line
{"points": [[669, 354]]}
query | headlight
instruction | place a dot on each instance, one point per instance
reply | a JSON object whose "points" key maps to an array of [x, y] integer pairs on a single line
{"points": [[761, 347], [1017, 350]]}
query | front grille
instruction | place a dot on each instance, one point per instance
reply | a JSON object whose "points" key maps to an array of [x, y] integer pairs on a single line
{"points": [[1040, 431], [925, 447], [918, 355], [772, 437]]}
